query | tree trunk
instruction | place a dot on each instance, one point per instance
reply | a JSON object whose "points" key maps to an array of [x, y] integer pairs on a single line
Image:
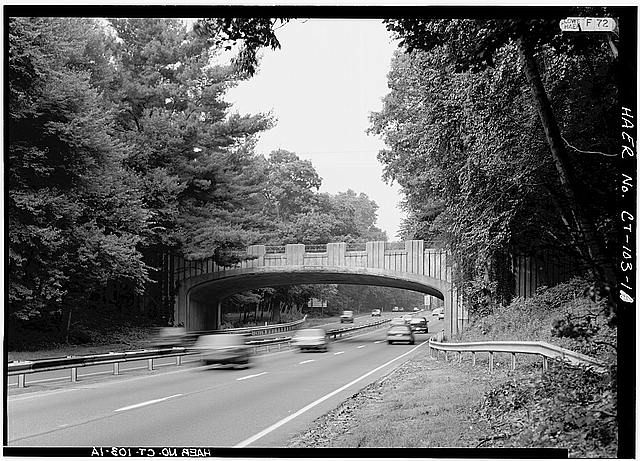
{"points": [[66, 333], [276, 312], [585, 230]]}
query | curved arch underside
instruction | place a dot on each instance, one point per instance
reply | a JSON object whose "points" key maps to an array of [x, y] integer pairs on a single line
{"points": [[216, 286]]}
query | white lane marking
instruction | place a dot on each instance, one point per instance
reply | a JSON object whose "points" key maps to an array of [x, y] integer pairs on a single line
{"points": [[148, 402], [338, 353], [306, 361], [251, 376], [360, 347], [283, 421]]}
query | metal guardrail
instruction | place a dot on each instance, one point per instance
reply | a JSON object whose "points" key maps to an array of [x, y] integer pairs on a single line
{"points": [[21, 369], [343, 331], [545, 350], [260, 331]]}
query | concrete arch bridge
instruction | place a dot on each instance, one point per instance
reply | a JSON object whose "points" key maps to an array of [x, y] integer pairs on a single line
{"points": [[408, 265]]}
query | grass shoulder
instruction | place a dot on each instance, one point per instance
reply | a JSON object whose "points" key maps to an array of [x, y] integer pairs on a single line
{"points": [[429, 403]]}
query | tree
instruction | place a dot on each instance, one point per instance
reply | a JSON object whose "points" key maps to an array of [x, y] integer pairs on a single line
{"points": [[466, 148], [250, 33], [474, 45], [191, 152], [75, 214]]}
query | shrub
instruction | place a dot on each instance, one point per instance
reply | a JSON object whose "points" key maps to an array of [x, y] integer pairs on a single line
{"points": [[569, 407]]}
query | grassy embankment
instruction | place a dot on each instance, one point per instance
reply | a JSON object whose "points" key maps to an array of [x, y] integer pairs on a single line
{"points": [[428, 403]]}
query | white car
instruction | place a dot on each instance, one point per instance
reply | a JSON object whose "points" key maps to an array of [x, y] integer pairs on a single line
{"points": [[439, 312], [346, 317], [311, 339]]}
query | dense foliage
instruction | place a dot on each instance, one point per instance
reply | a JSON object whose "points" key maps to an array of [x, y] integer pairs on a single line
{"points": [[475, 156], [121, 148], [566, 407], [569, 408]]}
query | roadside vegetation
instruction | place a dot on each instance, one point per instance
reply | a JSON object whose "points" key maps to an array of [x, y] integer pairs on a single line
{"points": [[429, 403], [567, 407]]}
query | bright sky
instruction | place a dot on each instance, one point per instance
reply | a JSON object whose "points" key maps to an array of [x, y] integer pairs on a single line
{"points": [[321, 86]]}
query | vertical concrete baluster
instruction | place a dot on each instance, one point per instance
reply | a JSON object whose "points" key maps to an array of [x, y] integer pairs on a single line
{"points": [[473, 357], [21, 380], [545, 363], [74, 374], [490, 361], [150, 364], [116, 368], [513, 361], [178, 360]]}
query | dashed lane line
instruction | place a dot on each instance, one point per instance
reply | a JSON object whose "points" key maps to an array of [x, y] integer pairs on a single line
{"points": [[306, 361], [148, 402], [251, 376], [283, 421]]}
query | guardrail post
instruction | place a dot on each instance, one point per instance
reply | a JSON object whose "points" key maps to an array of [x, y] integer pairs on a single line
{"points": [[74, 374], [545, 363], [473, 356], [459, 357], [178, 360], [116, 368], [513, 361], [150, 364], [21, 380], [490, 361]]}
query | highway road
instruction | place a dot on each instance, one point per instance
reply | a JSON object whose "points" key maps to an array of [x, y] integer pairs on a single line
{"points": [[262, 406], [57, 376]]}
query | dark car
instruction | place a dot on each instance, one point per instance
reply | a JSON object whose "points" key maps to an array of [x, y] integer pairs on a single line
{"points": [[400, 333], [223, 349], [419, 325]]}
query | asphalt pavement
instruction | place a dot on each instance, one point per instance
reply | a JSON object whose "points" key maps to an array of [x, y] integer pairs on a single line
{"points": [[264, 405]]}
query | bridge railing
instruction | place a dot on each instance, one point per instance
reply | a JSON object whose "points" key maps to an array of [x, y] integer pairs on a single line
{"points": [[261, 331], [545, 350], [22, 368]]}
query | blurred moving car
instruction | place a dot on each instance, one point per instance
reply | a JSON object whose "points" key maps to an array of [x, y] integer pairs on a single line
{"points": [[419, 325], [407, 318], [416, 309], [398, 321], [439, 312], [346, 317], [223, 349], [376, 313], [169, 337], [400, 333], [395, 309], [311, 339]]}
